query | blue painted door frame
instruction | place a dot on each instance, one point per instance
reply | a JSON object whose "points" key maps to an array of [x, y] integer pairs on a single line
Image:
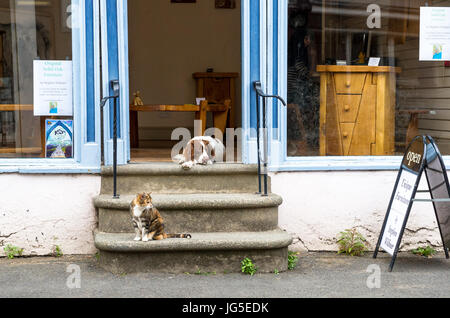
{"points": [[257, 20], [260, 62], [114, 39]]}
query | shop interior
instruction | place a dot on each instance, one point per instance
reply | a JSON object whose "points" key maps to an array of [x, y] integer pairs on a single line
{"points": [[184, 57]]}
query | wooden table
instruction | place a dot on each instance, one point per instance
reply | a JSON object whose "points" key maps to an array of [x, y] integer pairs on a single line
{"points": [[220, 115]]}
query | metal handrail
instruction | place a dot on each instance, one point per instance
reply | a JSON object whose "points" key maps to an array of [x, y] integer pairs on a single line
{"points": [[116, 94], [260, 94]]}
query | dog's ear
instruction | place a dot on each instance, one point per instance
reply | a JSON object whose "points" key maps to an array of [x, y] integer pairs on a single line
{"points": [[192, 154]]}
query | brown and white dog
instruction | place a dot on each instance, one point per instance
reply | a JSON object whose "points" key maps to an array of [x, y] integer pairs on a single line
{"points": [[201, 150]]}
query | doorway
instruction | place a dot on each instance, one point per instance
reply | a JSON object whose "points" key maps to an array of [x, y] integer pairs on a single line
{"points": [[180, 53]]}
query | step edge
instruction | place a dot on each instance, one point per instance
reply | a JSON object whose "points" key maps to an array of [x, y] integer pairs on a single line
{"points": [[215, 201], [275, 240], [175, 169]]}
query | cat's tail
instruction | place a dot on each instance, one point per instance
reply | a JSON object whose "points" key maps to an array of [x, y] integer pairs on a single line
{"points": [[188, 236]]}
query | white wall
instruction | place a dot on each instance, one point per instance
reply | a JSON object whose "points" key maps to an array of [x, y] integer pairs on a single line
{"points": [[38, 212], [42, 211], [319, 205]]}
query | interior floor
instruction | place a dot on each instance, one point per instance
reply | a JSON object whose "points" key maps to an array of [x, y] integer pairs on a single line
{"points": [[143, 155]]}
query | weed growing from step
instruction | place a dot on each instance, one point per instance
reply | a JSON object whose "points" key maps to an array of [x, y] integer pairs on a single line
{"points": [[426, 251], [12, 251], [248, 267], [352, 242], [292, 260]]}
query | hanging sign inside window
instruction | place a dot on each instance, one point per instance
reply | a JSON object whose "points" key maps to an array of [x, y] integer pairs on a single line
{"points": [[434, 33], [52, 88]]}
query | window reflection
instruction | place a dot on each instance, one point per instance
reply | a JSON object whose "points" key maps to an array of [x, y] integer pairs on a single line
{"points": [[29, 30], [339, 105]]}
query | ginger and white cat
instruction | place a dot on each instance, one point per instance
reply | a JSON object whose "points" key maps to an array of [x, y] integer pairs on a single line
{"points": [[147, 221]]}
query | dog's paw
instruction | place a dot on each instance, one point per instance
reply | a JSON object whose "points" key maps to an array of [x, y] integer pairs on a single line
{"points": [[179, 158], [145, 239], [137, 238], [187, 165]]}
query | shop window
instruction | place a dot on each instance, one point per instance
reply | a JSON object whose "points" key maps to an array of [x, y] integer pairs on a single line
{"points": [[356, 83], [36, 108]]}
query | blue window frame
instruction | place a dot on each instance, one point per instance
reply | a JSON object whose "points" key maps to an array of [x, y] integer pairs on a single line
{"points": [[86, 97], [273, 44]]}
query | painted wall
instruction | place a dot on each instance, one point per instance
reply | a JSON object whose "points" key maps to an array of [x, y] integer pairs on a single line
{"points": [[319, 205], [168, 43], [38, 212]]}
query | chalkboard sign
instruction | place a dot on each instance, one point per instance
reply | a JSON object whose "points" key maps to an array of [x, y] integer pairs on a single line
{"points": [[422, 155]]}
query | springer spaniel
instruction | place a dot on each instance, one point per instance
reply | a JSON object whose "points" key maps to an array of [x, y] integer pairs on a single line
{"points": [[201, 150]]}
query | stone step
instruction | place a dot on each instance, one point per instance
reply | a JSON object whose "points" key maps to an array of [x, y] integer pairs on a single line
{"points": [[171, 178], [204, 252], [185, 213]]}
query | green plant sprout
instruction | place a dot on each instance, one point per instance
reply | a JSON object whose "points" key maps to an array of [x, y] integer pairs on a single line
{"points": [[248, 267], [292, 260], [57, 251], [352, 242], [427, 251], [12, 251]]}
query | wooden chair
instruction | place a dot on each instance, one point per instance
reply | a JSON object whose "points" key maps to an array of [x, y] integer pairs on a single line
{"points": [[297, 147], [413, 127]]}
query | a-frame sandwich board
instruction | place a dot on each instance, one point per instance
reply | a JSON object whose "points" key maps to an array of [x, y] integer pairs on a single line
{"points": [[422, 155]]}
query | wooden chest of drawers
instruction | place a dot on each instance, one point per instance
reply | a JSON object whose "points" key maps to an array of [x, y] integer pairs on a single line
{"points": [[357, 110]]}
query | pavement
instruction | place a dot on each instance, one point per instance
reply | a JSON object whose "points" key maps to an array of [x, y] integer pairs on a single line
{"points": [[317, 275]]}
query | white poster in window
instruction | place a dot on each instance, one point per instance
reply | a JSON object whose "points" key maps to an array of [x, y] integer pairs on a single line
{"points": [[434, 34], [52, 88]]}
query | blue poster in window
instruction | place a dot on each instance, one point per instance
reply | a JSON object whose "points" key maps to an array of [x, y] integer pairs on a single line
{"points": [[58, 138]]}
